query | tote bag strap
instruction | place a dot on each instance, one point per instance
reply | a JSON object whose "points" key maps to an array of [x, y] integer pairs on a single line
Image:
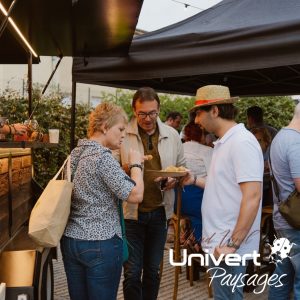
{"points": [[68, 162], [68, 169]]}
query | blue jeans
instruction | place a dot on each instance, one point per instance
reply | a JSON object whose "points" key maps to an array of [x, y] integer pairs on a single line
{"points": [[93, 268], [146, 240], [222, 290], [289, 266]]}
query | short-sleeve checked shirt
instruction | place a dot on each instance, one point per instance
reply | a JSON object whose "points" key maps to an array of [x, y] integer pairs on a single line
{"points": [[99, 183]]}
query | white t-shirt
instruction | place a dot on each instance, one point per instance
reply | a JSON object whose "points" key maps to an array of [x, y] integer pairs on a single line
{"points": [[198, 157], [237, 157]]}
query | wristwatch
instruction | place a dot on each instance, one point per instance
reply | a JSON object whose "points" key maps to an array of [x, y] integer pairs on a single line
{"points": [[232, 244], [136, 166]]}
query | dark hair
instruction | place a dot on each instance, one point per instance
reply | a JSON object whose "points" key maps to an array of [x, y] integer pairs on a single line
{"points": [[192, 132], [265, 134], [145, 94], [173, 115], [226, 111], [256, 113]]}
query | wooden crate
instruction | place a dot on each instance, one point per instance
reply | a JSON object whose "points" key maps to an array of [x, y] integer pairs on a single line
{"points": [[16, 163], [26, 175], [4, 223], [4, 184], [3, 165], [20, 212], [26, 161]]}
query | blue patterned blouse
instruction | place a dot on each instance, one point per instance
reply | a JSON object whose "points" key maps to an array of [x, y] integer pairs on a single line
{"points": [[99, 183]]}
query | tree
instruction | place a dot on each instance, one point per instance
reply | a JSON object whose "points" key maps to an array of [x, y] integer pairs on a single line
{"points": [[168, 103], [52, 112], [278, 111]]}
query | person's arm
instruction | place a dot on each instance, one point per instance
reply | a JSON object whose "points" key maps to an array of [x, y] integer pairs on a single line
{"points": [[297, 184], [136, 174], [251, 195], [191, 179], [137, 193]]}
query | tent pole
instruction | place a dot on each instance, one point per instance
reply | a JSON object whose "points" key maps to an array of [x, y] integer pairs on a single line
{"points": [[29, 85], [73, 115], [52, 74]]}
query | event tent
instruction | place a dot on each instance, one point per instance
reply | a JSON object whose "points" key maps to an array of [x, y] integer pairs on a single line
{"points": [[68, 28], [252, 46]]}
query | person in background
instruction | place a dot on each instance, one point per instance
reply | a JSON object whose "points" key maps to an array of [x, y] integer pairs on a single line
{"points": [[198, 158], [146, 223], [285, 163], [92, 242], [192, 116], [231, 205], [255, 118], [264, 138], [174, 119], [210, 138]]}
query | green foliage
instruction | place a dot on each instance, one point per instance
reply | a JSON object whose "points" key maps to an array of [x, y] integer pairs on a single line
{"points": [[122, 98], [168, 103], [278, 111], [51, 112]]}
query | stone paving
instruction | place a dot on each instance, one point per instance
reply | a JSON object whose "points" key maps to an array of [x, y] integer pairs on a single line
{"points": [[197, 292]]}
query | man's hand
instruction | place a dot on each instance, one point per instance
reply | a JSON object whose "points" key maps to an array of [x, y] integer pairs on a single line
{"points": [[223, 250], [166, 183], [188, 179]]}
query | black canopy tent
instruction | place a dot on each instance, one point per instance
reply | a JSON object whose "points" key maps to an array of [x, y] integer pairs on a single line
{"points": [[69, 28], [252, 46], [66, 28]]}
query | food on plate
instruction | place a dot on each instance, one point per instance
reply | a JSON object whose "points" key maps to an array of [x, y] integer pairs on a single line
{"points": [[174, 169]]}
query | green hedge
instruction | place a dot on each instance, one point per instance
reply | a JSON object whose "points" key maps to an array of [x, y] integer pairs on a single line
{"points": [[52, 113]]}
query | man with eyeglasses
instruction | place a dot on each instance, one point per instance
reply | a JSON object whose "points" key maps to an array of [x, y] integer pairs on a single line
{"points": [[146, 223]]}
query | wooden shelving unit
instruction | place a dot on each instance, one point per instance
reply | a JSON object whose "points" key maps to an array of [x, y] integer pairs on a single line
{"points": [[25, 144]]}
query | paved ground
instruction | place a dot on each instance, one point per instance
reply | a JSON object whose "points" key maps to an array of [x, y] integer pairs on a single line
{"points": [[185, 292]]}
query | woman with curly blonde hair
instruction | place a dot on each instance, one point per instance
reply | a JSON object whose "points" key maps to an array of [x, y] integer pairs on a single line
{"points": [[92, 243]]}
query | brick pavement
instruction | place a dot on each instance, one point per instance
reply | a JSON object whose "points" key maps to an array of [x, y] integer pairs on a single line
{"points": [[185, 292]]}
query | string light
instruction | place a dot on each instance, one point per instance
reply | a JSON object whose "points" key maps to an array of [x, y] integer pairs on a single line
{"points": [[187, 5], [11, 21]]}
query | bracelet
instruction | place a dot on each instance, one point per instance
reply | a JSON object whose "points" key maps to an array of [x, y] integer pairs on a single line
{"points": [[136, 166], [195, 180], [232, 244]]}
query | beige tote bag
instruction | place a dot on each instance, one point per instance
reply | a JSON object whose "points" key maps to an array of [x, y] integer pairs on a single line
{"points": [[50, 214]]}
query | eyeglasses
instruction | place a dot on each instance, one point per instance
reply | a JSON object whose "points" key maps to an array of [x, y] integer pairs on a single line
{"points": [[151, 114]]}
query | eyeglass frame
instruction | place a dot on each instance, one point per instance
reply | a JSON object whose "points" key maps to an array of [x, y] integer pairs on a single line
{"points": [[143, 115]]}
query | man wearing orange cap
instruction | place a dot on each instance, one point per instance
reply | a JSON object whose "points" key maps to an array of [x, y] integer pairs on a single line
{"points": [[231, 206]]}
